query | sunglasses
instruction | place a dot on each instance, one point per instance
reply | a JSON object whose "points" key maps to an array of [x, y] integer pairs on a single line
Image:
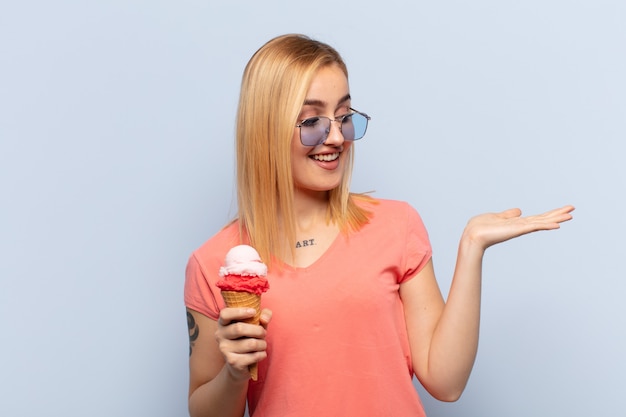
{"points": [[314, 130]]}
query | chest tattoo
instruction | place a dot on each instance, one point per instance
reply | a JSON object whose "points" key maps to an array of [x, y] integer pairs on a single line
{"points": [[305, 243]]}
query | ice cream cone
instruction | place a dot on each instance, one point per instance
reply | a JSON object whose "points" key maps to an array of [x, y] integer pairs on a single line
{"points": [[245, 299]]}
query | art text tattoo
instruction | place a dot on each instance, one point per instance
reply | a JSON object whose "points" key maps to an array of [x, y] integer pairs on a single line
{"points": [[305, 243], [194, 331]]}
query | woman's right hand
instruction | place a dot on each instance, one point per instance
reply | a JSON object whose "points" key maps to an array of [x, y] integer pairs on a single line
{"points": [[219, 354], [240, 343]]}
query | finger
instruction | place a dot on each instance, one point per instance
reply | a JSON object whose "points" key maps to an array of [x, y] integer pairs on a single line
{"points": [[229, 315], [559, 215], [548, 222], [241, 361], [565, 214], [266, 317], [239, 330], [511, 213], [243, 352], [559, 211], [243, 345]]}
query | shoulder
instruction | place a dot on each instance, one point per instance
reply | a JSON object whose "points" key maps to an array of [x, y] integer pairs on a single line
{"points": [[201, 272], [216, 247], [389, 210], [396, 234]]}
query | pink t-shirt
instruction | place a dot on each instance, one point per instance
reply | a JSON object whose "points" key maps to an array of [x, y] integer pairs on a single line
{"points": [[337, 343]]}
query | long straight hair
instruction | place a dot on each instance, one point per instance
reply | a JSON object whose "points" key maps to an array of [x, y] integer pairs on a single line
{"points": [[273, 90]]}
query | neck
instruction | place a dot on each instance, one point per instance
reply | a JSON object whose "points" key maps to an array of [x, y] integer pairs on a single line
{"points": [[313, 235], [310, 208]]}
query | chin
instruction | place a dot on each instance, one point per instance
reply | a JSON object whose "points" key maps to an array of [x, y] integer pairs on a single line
{"points": [[318, 188]]}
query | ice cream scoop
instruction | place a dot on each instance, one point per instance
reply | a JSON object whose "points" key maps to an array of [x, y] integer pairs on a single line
{"points": [[243, 271]]}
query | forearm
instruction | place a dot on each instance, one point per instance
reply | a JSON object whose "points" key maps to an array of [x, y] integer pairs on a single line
{"points": [[223, 396], [455, 340]]}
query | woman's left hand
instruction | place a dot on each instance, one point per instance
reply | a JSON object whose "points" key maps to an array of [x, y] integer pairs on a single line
{"points": [[491, 228]]}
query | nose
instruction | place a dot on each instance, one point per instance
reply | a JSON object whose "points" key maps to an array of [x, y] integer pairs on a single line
{"points": [[335, 137]]}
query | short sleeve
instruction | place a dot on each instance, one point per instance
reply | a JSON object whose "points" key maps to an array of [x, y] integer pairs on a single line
{"points": [[199, 294], [418, 248]]}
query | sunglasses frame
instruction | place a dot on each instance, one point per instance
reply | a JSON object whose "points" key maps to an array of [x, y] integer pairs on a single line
{"points": [[340, 120]]}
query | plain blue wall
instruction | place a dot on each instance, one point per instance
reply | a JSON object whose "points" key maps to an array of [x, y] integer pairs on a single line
{"points": [[116, 161]]}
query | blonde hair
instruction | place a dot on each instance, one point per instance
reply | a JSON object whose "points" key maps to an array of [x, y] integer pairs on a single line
{"points": [[273, 90]]}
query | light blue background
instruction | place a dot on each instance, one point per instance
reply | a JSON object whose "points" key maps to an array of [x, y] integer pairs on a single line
{"points": [[116, 161]]}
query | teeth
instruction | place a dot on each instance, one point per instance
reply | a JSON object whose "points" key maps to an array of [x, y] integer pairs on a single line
{"points": [[326, 157]]}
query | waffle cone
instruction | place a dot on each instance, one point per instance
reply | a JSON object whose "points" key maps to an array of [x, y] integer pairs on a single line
{"points": [[245, 299]]}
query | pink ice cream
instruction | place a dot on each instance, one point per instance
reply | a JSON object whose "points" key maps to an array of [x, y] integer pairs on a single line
{"points": [[243, 271]]}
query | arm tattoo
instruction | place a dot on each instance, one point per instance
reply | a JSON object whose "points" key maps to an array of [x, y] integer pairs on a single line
{"points": [[194, 331]]}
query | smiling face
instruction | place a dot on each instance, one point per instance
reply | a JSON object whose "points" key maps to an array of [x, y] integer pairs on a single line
{"points": [[320, 168]]}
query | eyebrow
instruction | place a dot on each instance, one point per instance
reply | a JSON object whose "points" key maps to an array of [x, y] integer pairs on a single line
{"points": [[320, 103]]}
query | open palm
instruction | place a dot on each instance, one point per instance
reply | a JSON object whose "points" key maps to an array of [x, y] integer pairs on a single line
{"points": [[491, 228]]}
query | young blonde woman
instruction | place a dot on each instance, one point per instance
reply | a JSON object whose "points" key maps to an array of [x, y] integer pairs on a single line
{"points": [[354, 309]]}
